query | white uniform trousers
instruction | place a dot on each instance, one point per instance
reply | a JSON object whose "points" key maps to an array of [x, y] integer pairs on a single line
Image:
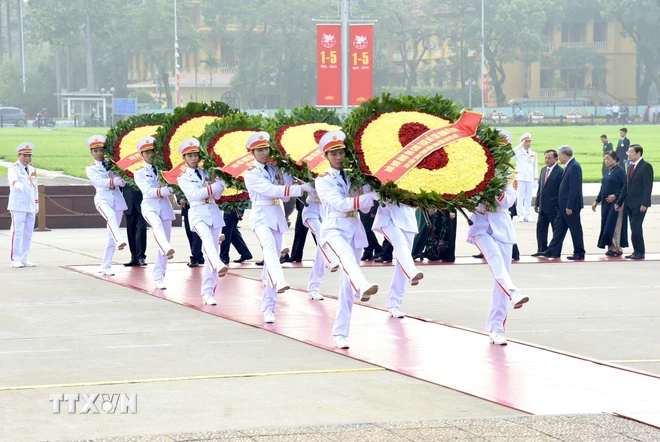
{"points": [[405, 267], [524, 203], [351, 280], [210, 236], [321, 261], [162, 230], [271, 245], [115, 237], [22, 226], [498, 256]]}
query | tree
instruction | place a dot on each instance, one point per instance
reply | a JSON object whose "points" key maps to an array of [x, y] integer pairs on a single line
{"points": [[579, 62], [513, 31], [640, 20], [211, 63]]}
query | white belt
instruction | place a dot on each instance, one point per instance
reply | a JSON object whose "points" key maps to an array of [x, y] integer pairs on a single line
{"points": [[201, 202], [314, 200], [351, 214], [275, 202], [483, 208]]}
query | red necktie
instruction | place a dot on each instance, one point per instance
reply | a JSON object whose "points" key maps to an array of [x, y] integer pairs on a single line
{"points": [[632, 171]]}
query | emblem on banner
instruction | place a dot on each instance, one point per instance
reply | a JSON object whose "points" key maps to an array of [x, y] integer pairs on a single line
{"points": [[360, 42], [328, 41]]}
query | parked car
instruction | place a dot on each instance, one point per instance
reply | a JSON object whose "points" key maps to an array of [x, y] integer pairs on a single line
{"points": [[12, 116]]}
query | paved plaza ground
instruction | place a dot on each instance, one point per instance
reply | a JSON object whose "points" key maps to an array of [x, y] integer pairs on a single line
{"points": [[201, 377]]}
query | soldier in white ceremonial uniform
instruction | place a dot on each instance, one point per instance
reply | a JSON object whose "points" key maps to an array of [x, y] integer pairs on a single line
{"points": [[156, 208], [527, 168], [268, 187], [397, 223], [23, 205], [492, 232], [206, 218], [342, 233], [312, 219], [108, 200]]}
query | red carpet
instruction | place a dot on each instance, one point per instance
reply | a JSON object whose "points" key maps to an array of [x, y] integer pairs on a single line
{"points": [[522, 376]]}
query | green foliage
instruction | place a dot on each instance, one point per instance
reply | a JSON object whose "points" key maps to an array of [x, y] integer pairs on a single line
{"points": [[119, 130], [441, 107], [142, 97], [38, 91]]}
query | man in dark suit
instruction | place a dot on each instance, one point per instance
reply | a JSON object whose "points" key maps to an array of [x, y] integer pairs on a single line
{"points": [[636, 195], [136, 227], [547, 200], [195, 242], [607, 147], [299, 235], [570, 204], [622, 147], [233, 237]]}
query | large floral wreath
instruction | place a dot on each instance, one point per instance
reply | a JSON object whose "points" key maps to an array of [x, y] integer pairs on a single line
{"points": [[121, 141], [223, 142], [294, 136], [186, 122], [461, 174]]}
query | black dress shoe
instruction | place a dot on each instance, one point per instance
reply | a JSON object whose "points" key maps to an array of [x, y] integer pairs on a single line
{"points": [[284, 258], [635, 256], [610, 253], [194, 264], [479, 256], [516, 258], [242, 260], [259, 263], [383, 259], [131, 264], [225, 262], [368, 255], [142, 262], [537, 254], [575, 257]]}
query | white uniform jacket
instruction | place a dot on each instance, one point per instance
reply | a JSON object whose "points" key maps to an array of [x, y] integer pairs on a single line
{"points": [[106, 191], [26, 200], [527, 164], [268, 187], [201, 197], [403, 217], [313, 208], [155, 198], [339, 205], [496, 224]]}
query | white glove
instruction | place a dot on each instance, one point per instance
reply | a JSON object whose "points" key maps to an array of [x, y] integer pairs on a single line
{"points": [[119, 182], [218, 186], [166, 191], [307, 187], [19, 186]]}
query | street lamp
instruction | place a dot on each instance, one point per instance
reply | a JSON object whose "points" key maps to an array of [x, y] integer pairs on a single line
{"points": [[176, 61], [203, 84], [470, 82], [483, 62]]}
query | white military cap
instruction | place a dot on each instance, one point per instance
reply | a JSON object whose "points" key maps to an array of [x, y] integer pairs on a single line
{"points": [[331, 141], [25, 148], [146, 143], [260, 139], [95, 141], [189, 146]]}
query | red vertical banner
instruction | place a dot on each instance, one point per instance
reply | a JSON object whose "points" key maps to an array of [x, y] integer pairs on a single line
{"points": [[484, 87], [361, 62], [328, 65]]}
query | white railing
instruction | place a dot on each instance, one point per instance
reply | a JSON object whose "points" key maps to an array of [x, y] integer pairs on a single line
{"points": [[547, 93]]}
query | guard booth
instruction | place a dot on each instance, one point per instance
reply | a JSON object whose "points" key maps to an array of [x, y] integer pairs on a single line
{"points": [[77, 106]]}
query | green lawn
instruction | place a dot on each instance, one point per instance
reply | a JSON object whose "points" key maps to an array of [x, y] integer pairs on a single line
{"points": [[65, 149], [3, 172]]}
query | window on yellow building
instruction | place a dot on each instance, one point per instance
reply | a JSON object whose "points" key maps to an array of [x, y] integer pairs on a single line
{"points": [[600, 32], [547, 78], [573, 32], [572, 79]]}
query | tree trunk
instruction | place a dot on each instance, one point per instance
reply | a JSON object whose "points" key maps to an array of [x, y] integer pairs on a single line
{"points": [[165, 78], [2, 50], [69, 74], [58, 78], [8, 18], [90, 58], [643, 87], [497, 77]]}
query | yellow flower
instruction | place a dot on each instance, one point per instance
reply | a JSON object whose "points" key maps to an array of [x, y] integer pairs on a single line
{"points": [[129, 142], [298, 141], [465, 170], [192, 128], [231, 146]]}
